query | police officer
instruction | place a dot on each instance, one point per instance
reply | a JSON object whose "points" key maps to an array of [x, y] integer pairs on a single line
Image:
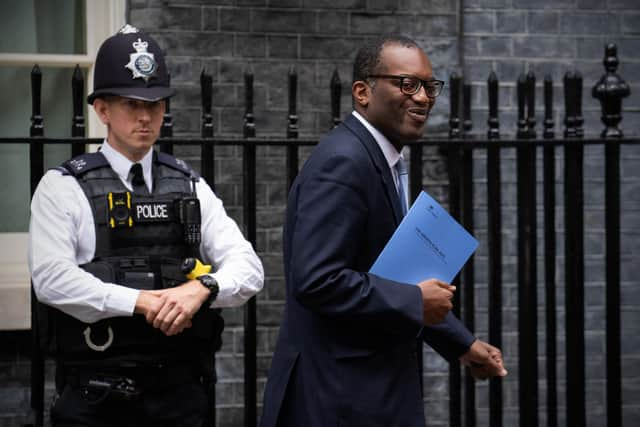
{"points": [[110, 236]]}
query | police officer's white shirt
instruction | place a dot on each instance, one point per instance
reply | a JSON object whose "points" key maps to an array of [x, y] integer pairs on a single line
{"points": [[62, 236]]}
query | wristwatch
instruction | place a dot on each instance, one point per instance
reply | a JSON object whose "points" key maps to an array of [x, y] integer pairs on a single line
{"points": [[210, 283]]}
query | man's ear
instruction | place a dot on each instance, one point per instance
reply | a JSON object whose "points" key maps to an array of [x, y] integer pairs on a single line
{"points": [[360, 91], [101, 108]]}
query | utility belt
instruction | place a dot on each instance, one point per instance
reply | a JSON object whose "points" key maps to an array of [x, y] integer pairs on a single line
{"points": [[133, 338], [127, 383]]}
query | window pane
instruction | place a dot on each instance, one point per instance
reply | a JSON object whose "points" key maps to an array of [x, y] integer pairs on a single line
{"points": [[42, 26], [57, 110]]}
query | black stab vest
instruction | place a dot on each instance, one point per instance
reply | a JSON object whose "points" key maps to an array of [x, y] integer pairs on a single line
{"points": [[145, 253]]}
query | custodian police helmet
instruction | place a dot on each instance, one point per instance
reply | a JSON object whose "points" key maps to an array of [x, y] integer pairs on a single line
{"points": [[130, 64]]}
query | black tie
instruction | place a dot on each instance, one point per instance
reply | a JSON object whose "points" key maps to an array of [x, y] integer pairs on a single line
{"points": [[137, 181]]}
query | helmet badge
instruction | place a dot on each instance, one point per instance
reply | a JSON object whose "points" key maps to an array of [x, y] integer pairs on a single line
{"points": [[142, 63], [128, 29]]}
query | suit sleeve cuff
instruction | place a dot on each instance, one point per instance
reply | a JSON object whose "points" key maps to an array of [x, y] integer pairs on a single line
{"points": [[450, 338]]}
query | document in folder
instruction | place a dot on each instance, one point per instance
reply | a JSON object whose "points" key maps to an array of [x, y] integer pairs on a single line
{"points": [[427, 244]]}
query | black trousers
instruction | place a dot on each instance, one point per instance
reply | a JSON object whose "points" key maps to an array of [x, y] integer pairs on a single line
{"points": [[163, 396]]}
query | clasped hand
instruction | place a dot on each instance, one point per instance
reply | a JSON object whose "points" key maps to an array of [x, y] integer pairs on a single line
{"points": [[172, 309]]}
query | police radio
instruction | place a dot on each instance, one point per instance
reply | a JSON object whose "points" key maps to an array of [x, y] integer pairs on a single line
{"points": [[189, 211]]}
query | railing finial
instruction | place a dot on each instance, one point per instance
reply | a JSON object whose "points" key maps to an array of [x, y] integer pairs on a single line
{"points": [[37, 126], [521, 92], [336, 92], [206, 90], [292, 126], [166, 131], [454, 102], [610, 90], [531, 103], [569, 105], [494, 124], [548, 123], [77, 96], [249, 128]]}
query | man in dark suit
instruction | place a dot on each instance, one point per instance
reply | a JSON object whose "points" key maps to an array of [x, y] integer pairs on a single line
{"points": [[346, 354]]}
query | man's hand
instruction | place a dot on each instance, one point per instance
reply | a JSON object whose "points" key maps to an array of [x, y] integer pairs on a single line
{"points": [[180, 305], [436, 300], [149, 305], [484, 360]]}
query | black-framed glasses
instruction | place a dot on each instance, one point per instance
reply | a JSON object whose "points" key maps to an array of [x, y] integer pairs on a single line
{"points": [[410, 85]]}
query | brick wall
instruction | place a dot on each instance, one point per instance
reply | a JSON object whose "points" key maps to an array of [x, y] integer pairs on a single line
{"points": [[550, 37], [316, 37], [228, 37]]}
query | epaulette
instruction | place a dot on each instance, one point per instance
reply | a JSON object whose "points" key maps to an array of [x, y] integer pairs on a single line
{"points": [[175, 163], [83, 163]]}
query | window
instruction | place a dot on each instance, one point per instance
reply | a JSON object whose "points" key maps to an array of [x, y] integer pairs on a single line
{"points": [[56, 35]]}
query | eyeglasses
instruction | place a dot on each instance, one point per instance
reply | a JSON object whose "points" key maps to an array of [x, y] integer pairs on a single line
{"points": [[410, 85]]}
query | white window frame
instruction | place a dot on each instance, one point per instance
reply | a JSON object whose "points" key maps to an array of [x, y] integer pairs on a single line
{"points": [[103, 18]]}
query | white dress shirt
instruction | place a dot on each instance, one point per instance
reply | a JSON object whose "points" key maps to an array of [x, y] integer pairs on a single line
{"points": [[62, 236], [390, 153]]}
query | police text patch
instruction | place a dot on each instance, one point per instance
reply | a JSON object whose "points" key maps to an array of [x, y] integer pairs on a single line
{"points": [[153, 212]]}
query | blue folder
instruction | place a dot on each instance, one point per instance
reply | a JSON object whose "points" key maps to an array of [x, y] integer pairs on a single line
{"points": [[428, 243]]}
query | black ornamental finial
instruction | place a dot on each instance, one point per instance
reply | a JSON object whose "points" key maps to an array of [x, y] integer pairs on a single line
{"points": [[610, 90], [336, 92]]}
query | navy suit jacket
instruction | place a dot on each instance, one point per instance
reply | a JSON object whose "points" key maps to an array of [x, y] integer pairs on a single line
{"points": [[346, 353]]}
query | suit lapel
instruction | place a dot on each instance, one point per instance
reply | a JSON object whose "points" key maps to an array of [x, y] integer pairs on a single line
{"points": [[380, 162]]}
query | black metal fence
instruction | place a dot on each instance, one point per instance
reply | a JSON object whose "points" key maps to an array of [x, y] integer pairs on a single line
{"points": [[459, 148]]}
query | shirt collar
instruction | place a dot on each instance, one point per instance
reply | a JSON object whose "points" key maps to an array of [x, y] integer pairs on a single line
{"points": [[122, 165], [391, 155]]}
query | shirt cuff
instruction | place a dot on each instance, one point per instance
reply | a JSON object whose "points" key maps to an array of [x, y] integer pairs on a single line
{"points": [[226, 289], [120, 300]]}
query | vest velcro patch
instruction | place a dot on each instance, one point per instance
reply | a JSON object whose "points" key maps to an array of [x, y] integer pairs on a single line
{"points": [[153, 212], [83, 163], [175, 163]]}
